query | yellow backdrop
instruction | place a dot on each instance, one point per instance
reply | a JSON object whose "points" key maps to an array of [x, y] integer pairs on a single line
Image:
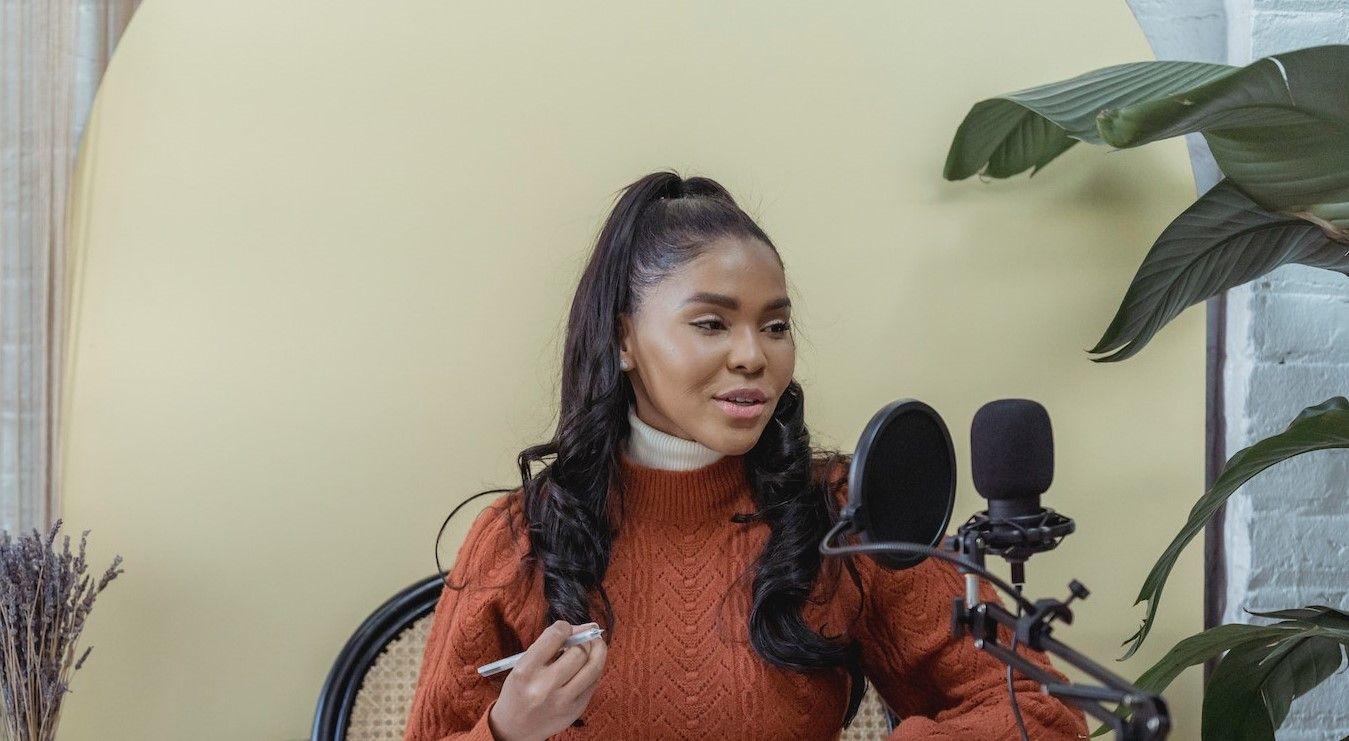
{"points": [[324, 251]]}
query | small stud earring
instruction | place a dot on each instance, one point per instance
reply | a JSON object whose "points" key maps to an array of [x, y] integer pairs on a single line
{"points": [[625, 365]]}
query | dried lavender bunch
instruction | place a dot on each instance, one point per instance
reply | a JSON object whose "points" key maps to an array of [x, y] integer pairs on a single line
{"points": [[45, 598]]}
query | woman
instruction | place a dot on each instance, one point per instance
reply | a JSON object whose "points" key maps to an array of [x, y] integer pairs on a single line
{"points": [[685, 507]]}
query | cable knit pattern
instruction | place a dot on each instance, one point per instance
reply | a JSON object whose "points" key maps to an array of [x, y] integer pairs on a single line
{"points": [[680, 665]]}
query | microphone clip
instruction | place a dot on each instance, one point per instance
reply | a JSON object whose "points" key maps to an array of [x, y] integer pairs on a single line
{"points": [[1017, 538]]}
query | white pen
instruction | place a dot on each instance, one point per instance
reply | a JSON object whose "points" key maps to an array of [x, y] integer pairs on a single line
{"points": [[496, 667]]}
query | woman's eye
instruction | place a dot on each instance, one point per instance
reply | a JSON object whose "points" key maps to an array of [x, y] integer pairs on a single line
{"points": [[777, 328]]}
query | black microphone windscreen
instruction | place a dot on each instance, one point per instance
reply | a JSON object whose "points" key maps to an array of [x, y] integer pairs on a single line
{"points": [[1011, 449], [903, 480]]}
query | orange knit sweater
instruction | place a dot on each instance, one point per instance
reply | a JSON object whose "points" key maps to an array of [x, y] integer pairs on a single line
{"points": [[680, 665]]}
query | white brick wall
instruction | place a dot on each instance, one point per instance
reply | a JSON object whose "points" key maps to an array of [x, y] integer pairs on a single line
{"points": [[1286, 533]]}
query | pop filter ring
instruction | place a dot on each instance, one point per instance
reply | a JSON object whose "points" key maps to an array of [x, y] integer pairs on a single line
{"points": [[856, 513]]}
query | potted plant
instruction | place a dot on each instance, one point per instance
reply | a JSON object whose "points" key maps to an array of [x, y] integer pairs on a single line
{"points": [[1279, 131]]}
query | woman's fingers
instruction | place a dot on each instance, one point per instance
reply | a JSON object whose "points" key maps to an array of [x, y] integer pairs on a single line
{"points": [[573, 658], [586, 678], [561, 670], [544, 648], [584, 699]]}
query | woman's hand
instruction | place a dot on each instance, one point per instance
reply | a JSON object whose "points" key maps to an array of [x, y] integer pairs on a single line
{"points": [[542, 696]]}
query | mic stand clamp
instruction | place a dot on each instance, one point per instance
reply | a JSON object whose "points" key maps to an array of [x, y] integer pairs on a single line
{"points": [[1149, 719]]}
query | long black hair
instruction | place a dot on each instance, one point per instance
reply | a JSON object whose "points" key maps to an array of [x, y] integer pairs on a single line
{"points": [[659, 223]]}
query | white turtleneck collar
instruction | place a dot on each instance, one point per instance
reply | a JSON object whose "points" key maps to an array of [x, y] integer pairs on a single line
{"points": [[652, 448]]}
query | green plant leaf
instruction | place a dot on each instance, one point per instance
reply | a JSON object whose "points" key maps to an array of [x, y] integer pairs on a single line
{"points": [[1329, 618], [1203, 646], [1011, 133], [1253, 686], [1321, 427], [1199, 648], [1296, 667], [1278, 128], [1222, 240]]}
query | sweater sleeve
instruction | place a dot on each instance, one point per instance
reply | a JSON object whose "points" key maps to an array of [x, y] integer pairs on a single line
{"points": [[941, 685], [452, 700]]}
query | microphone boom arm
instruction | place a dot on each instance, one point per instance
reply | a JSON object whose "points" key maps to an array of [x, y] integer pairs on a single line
{"points": [[1149, 719]]}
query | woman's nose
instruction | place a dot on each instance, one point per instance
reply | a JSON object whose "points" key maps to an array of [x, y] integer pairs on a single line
{"points": [[747, 353]]}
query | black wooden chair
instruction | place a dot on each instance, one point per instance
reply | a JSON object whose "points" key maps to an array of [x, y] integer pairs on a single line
{"points": [[369, 689]]}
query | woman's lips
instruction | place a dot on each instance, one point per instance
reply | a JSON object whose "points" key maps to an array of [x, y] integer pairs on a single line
{"points": [[741, 411]]}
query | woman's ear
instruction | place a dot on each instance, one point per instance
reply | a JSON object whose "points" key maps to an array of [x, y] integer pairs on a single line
{"points": [[624, 356]]}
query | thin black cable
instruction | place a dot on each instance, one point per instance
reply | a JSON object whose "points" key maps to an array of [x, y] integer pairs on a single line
{"points": [[1014, 593], [886, 546], [439, 571], [1011, 692]]}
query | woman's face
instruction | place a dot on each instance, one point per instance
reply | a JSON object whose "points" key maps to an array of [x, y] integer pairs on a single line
{"points": [[719, 324]]}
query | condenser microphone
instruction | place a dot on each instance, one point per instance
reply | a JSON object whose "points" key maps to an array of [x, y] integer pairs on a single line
{"points": [[902, 481], [1012, 458]]}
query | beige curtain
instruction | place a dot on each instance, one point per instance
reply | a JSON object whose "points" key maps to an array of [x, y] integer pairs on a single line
{"points": [[52, 56]]}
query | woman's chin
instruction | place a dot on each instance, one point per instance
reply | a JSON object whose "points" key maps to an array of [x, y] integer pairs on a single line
{"points": [[736, 443]]}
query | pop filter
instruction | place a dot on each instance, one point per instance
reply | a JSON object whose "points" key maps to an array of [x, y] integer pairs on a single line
{"points": [[902, 482]]}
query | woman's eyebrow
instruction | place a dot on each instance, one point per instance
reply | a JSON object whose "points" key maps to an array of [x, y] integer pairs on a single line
{"points": [[721, 299]]}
